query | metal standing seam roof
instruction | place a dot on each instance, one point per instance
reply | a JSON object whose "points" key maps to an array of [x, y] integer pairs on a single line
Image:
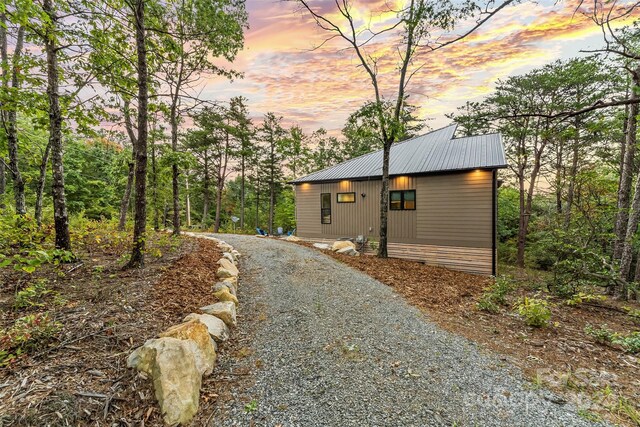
{"points": [[436, 151]]}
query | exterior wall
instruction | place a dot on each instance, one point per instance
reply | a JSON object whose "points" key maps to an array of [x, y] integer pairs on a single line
{"points": [[452, 225]]}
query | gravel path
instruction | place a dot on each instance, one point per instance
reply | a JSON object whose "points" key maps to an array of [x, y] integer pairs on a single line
{"points": [[337, 348]]}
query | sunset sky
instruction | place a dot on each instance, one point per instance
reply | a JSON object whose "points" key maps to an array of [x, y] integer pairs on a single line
{"points": [[320, 88]]}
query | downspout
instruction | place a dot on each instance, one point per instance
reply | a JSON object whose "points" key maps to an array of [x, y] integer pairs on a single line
{"points": [[494, 222]]}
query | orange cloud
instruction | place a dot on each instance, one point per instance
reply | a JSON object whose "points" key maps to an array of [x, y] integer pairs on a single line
{"points": [[320, 88]]}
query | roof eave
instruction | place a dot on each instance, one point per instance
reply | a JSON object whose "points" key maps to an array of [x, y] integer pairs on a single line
{"points": [[365, 178]]}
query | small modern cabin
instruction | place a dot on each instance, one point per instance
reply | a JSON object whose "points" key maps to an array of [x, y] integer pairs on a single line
{"points": [[442, 200]]}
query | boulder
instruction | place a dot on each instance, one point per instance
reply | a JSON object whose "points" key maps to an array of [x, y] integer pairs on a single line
{"points": [[225, 247], [195, 331], [224, 294], [229, 256], [323, 246], [235, 253], [225, 311], [293, 238], [216, 327], [341, 244], [262, 236], [348, 251], [231, 281], [228, 265], [220, 286], [170, 363]]}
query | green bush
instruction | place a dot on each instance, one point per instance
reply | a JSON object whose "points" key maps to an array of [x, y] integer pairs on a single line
{"points": [[495, 295], [29, 333], [603, 335], [33, 295], [581, 298], [535, 311]]}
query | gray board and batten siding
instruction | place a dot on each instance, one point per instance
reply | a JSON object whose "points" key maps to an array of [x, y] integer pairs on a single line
{"points": [[454, 220]]}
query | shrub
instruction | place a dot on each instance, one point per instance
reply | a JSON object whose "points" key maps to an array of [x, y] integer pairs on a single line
{"points": [[630, 343], [581, 298], [33, 295], [603, 335], [535, 311], [28, 333], [495, 295]]}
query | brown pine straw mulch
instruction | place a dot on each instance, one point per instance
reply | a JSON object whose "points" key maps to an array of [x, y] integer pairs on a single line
{"points": [[561, 357], [81, 378]]}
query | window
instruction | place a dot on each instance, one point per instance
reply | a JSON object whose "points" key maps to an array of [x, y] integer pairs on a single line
{"points": [[402, 200], [325, 208], [346, 197]]}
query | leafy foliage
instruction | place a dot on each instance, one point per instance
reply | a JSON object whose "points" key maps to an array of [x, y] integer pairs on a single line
{"points": [[535, 311]]}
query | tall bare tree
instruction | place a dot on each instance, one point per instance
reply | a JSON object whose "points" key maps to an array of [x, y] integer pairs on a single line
{"points": [[424, 26]]}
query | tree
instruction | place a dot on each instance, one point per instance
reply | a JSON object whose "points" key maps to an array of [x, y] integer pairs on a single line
{"points": [[272, 134], [423, 24], [362, 130], [11, 82], [242, 131], [197, 33], [140, 219]]}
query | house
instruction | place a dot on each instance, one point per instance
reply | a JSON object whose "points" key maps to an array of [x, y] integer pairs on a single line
{"points": [[442, 200]]}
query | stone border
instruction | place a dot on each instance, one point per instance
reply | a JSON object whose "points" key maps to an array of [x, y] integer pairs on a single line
{"points": [[181, 355]]}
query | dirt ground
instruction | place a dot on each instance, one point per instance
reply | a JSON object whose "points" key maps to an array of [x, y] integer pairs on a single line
{"points": [[80, 377], [600, 378]]}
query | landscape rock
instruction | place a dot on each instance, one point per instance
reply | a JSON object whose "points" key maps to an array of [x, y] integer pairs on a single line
{"points": [[230, 257], [225, 311], [224, 294], [197, 332], [235, 253], [216, 327], [228, 265], [348, 251], [225, 285], [176, 382], [261, 236], [293, 238], [225, 247], [341, 244], [321, 246], [231, 280]]}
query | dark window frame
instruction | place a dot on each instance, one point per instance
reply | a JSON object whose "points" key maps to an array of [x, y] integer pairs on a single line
{"points": [[402, 200], [323, 209], [348, 192]]}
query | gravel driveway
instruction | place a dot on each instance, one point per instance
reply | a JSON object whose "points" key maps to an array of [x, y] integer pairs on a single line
{"points": [[335, 347]]}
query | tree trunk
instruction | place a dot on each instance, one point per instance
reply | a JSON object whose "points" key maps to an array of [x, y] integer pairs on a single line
{"points": [[165, 214], [3, 184], [522, 222], [242, 192], [627, 247], [174, 172], [9, 118], [384, 201], [60, 214], [124, 203], [624, 190], [206, 189], [154, 186], [572, 176], [187, 202], [42, 179], [126, 197], [559, 177], [272, 189], [257, 202], [219, 184], [140, 218]]}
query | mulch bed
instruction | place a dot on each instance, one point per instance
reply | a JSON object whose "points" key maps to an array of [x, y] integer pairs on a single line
{"points": [[561, 357], [81, 377]]}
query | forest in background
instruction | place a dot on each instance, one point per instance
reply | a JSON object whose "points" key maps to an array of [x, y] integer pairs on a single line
{"points": [[102, 119]]}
